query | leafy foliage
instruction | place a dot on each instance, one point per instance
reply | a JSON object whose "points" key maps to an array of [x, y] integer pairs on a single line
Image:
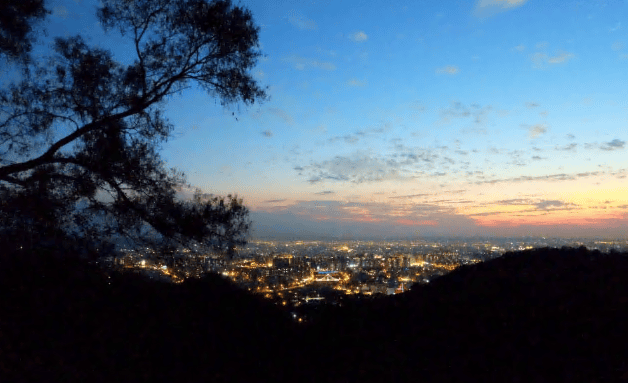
{"points": [[80, 125], [17, 18]]}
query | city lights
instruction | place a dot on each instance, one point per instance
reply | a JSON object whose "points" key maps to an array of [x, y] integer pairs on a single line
{"points": [[297, 273]]}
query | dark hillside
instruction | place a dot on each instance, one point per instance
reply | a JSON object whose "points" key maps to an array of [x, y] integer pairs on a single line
{"points": [[67, 321], [543, 315], [540, 315]]}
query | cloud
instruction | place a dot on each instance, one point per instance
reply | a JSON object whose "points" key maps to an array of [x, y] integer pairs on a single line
{"points": [[539, 60], [536, 130], [356, 168], [349, 139], [617, 46], [302, 63], [325, 192], [356, 82], [459, 110], [402, 163], [450, 69], [520, 48], [613, 145], [326, 52], [417, 106], [360, 134], [550, 177], [549, 203], [615, 28], [514, 201], [424, 157], [358, 36], [456, 110], [531, 105], [301, 22], [275, 200], [567, 148], [267, 133], [410, 196], [282, 115], [320, 129], [488, 8], [561, 58], [335, 219]]}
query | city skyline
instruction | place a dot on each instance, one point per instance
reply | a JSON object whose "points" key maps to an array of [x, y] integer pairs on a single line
{"points": [[489, 118]]}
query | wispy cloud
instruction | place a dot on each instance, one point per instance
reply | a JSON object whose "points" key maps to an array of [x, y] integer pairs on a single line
{"points": [[613, 145], [567, 148], [326, 52], [455, 110], [550, 177], [356, 82], [549, 203], [361, 219], [267, 133], [402, 163], [449, 69], [360, 134], [531, 105], [520, 48], [514, 201], [319, 129], [275, 200], [410, 196], [536, 130], [560, 58], [302, 63], [282, 115], [325, 192], [358, 36], [298, 20], [540, 60], [487, 8], [356, 168], [458, 110]]}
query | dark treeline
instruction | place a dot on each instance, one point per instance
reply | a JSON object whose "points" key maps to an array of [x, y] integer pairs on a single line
{"points": [[540, 315]]}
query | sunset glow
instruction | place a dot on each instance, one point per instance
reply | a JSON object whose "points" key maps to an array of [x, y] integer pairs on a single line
{"points": [[417, 118]]}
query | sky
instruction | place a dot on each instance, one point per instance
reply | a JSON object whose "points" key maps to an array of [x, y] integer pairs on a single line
{"points": [[414, 119]]}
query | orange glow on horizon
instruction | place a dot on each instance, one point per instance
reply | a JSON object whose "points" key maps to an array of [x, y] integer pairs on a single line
{"points": [[409, 222], [585, 217]]}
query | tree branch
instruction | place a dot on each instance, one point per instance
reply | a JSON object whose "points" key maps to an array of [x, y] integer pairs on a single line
{"points": [[48, 157]]}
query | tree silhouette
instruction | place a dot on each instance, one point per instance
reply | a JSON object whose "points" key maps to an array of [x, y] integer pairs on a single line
{"points": [[80, 132], [17, 18]]}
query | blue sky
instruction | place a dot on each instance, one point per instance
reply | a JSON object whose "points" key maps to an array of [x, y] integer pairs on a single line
{"points": [[489, 117]]}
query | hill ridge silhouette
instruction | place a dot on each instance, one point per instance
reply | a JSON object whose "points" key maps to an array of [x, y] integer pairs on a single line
{"points": [[536, 315]]}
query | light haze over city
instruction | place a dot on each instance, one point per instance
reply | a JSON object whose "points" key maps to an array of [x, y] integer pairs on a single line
{"points": [[386, 119]]}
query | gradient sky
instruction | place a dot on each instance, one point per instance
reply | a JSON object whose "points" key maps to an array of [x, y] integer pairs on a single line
{"points": [[488, 117]]}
